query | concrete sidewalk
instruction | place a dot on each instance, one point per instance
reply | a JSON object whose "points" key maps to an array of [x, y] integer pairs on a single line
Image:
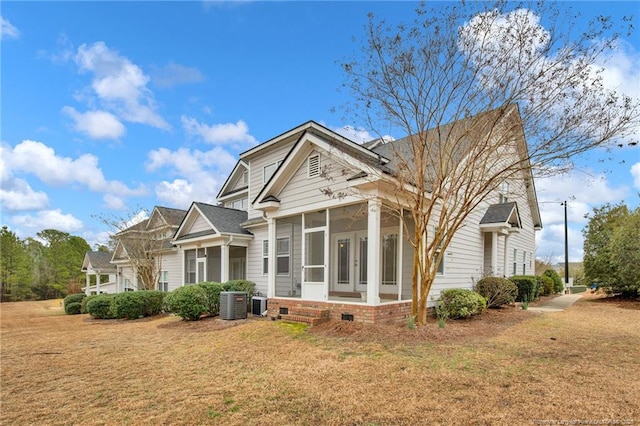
{"points": [[557, 304]]}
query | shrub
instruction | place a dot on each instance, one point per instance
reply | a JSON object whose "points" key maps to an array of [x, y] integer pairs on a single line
{"points": [[558, 286], [461, 303], [188, 302], [546, 285], [83, 304], [72, 298], [73, 308], [100, 306], [498, 291], [212, 290], [528, 287], [154, 301], [129, 305]]}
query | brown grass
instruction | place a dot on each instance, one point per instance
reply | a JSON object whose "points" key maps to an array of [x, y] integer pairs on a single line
{"points": [[508, 367]]}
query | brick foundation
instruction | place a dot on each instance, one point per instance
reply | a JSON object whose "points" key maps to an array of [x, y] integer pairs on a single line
{"points": [[388, 313]]}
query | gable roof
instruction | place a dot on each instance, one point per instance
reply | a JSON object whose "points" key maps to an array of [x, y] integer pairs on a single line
{"points": [[172, 217], [99, 261], [239, 168], [221, 221], [502, 213]]}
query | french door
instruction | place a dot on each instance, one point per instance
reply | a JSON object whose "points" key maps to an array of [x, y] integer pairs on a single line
{"points": [[349, 255]]}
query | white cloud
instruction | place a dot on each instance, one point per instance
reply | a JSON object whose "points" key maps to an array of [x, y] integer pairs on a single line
{"points": [[200, 174], [120, 85], [582, 193], [40, 160], [635, 172], [17, 194], [7, 30], [220, 134], [96, 124], [48, 219], [174, 74]]}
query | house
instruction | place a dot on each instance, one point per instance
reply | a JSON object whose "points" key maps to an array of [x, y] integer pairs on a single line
{"points": [[97, 264], [311, 218], [144, 253]]}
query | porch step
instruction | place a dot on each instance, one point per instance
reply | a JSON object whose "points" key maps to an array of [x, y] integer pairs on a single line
{"points": [[312, 316]]}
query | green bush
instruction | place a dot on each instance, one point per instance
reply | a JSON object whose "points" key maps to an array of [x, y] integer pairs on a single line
{"points": [[212, 290], [528, 287], [248, 287], [546, 285], [83, 304], [558, 286], [188, 302], [129, 305], [461, 303], [154, 302], [100, 306], [73, 298], [497, 291], [73, 308]]}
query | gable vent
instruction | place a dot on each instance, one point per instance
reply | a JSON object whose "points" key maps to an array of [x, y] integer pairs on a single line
{"points": [[313, 169]]}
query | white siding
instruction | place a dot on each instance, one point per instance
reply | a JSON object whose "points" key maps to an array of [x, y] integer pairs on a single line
{"points": [[172, 263], [254, 259], [200, 224], [303, 191], [257, 164]]}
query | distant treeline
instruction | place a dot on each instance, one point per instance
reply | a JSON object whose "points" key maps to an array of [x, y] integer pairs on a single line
{"points": [[43, 268]]}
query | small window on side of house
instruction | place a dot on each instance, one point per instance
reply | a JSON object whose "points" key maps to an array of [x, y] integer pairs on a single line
{"points": [[245, 178], [313, 166], [265, 257]]}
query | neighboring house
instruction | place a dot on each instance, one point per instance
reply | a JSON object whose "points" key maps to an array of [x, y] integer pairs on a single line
{"points": [[146, 248], [97, 264], [308, 217]]}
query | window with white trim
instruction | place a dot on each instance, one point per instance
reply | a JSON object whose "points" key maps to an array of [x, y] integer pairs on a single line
{"points": [[515, 261], [265, 257], [269, 170], [504, 193], [282, 255], [245, 178], [240, 204], [313, 166], [163, 281], [524, 263]]}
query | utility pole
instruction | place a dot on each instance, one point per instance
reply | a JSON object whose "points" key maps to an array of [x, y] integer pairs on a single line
{"points": [[566, 246]]}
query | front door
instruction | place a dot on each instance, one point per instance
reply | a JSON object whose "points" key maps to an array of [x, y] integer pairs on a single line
{"points": [[350, 261]]}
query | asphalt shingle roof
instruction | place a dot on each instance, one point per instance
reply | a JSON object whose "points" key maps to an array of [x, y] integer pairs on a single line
{"points": [[499, 213], [225, 220]]}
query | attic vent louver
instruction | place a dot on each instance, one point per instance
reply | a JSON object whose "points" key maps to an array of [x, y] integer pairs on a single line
{"points": [[313, 169]]}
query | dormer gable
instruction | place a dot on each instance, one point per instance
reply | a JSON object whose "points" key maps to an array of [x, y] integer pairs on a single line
{"points": [[237, 182]]}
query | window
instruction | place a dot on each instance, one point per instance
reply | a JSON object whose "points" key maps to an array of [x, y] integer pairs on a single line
{"points": [[440, 260], [504, 192], [265, 257], [524, 263], [240, 204], [245, 178], [282, 254], [269, 170], [515, 261], [163, 281], [313, 166], [127, 285], [190, 267], [389, 259]]}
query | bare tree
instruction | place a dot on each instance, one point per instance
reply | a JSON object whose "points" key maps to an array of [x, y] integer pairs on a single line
{"points": [[467, 82], [142, 243]]}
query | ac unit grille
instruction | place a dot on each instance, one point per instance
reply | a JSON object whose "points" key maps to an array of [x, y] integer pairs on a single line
{"points": [[233, 305]]}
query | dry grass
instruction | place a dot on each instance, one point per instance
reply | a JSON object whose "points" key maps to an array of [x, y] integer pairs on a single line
{"points": [[510, 367]]}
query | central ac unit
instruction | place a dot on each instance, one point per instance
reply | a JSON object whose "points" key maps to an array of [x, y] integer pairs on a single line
{"points": [[258, 305], [233, 305]]}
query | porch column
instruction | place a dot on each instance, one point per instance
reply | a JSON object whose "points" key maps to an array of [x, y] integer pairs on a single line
{"points": [[224, 263], [506, 252], [494, 252], [271, 253], [373, 253], [88, 281], [98, 283]]}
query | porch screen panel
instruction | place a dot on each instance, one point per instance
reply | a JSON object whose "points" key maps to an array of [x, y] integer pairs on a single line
{"points": [[344, 254], [389, 259], [363, 265], [314, 256]]}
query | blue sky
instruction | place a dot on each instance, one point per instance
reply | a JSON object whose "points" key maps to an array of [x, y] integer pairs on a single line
{"points": [[111, 106]]}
